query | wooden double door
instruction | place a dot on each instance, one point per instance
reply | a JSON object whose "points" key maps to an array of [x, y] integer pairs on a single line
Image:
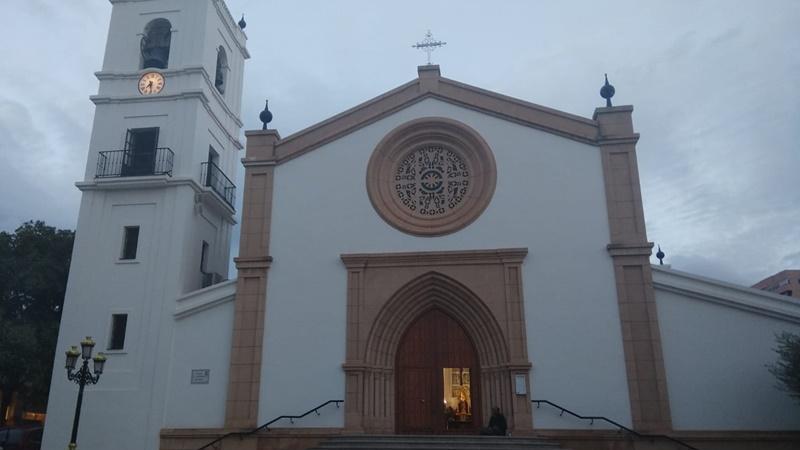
{"points": [[437, 378]]}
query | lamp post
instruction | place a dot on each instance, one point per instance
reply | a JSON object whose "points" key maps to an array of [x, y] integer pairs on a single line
{"points": [[82, 377]]}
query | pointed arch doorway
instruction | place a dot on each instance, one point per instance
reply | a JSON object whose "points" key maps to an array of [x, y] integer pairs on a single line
{"points": [[389, 294], [437, 377]]}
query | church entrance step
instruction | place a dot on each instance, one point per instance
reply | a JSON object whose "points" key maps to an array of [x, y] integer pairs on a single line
{"points": [[435, 442]]}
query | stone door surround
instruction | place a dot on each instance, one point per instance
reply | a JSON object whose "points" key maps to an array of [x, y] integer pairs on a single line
{"points": [[386, 292]]}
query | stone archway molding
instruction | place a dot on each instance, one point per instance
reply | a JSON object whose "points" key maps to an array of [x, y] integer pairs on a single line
{"points": [[480, 289], [428, 291]]}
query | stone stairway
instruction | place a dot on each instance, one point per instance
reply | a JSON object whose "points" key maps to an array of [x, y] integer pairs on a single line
{"points": [[434, 442]]}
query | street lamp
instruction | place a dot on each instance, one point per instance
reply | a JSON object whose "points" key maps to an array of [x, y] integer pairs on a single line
{"points": [[82, 377]]}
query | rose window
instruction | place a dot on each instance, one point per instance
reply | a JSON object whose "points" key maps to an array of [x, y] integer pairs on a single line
{"points": [[431, 176], [431, 181]]}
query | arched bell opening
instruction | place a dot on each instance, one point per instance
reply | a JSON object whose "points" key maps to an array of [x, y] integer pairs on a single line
{"points": [[221, 72], [155, 44]]}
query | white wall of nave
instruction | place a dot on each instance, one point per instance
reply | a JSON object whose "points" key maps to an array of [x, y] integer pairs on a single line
{"points": [[717, 341], [549, 198]]}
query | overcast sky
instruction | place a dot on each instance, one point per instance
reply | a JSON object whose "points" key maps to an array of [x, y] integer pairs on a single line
{"points": [[715, 86]]}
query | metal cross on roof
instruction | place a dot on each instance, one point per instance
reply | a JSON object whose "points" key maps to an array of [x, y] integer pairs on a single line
{"points": [[429, 44]]}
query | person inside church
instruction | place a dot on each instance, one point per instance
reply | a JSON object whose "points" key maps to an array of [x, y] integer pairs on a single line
{"points": [[463, 406], [497, 424]]}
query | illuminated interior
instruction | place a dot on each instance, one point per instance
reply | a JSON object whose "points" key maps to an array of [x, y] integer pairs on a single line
{"points": [[457, 397]]}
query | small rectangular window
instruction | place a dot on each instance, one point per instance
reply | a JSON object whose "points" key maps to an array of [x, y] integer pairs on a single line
{"points": [[204, 258], [130, 242], [119, 322]]}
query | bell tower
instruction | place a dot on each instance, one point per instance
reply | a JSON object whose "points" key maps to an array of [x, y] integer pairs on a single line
{"points": [[157, 208]]}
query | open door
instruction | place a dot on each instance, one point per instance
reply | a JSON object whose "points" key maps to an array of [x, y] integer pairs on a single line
{"points": [[140, 152], [437, 378]]}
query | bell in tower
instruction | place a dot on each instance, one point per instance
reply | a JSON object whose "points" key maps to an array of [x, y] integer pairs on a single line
{"points": [[155, 44]]}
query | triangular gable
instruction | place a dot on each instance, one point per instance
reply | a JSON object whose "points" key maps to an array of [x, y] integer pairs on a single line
{"points": [[431, 85]]}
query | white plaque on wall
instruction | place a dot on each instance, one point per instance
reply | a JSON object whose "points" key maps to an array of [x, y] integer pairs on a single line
{"points": [[200, 376], [519, 385]]}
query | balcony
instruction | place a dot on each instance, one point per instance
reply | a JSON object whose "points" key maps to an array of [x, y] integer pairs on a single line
{"points": [[211, 176], [127, 163]]}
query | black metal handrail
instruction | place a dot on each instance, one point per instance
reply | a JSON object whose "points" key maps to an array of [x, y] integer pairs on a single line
{"points": [[242, 434], [212, 176], [616, 424], [127, 163]]}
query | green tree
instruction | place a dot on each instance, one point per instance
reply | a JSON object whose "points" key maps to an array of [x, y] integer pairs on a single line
{"points": [[787, 368], [34, 265]]}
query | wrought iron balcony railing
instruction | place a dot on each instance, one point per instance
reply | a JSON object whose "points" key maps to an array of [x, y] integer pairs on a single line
{"points": [[213, 177], [127, 163]]}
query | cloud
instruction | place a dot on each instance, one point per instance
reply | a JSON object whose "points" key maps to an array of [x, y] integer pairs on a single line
{"points": [[26, 172], [791, 260], [716, 96]]}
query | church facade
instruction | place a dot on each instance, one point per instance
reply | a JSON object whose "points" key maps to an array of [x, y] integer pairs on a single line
{"points": [[419, 259]]}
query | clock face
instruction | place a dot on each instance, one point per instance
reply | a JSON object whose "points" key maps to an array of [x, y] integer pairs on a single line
{"points": [[151, 83]]}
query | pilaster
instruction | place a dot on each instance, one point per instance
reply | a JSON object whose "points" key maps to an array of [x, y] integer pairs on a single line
{"points": [[630, 251], [251, 289]]}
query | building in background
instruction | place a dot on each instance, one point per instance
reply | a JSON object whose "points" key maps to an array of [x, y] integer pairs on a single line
{"points": [[785, 282], [414, 257]]}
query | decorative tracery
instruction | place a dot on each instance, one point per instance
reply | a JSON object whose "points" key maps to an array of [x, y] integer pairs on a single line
{"points": [[432, 180], [431, 176]]}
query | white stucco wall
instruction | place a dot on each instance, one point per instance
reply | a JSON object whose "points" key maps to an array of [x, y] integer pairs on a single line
{"points": [[101, 285], [717, 339], [127, 409], [201, 341], [549, 198]]}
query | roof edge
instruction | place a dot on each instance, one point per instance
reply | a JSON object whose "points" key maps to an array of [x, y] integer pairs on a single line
{"points": [[205, 299], [430, 84], [727, 294]]}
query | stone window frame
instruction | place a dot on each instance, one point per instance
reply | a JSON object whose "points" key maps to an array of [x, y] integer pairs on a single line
{"points": [[424, 132]]}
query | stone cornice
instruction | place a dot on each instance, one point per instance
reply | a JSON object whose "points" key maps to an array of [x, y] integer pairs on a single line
{"points": [[431, 85], [346, 122], [104, 75], [205, 195], [517, 110], [254, 262], [258, 163], [634, 249], [456, 257], [727, 294], [632, 139], [199, 95], [188, 70], [204, 299], [612, 109]]}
